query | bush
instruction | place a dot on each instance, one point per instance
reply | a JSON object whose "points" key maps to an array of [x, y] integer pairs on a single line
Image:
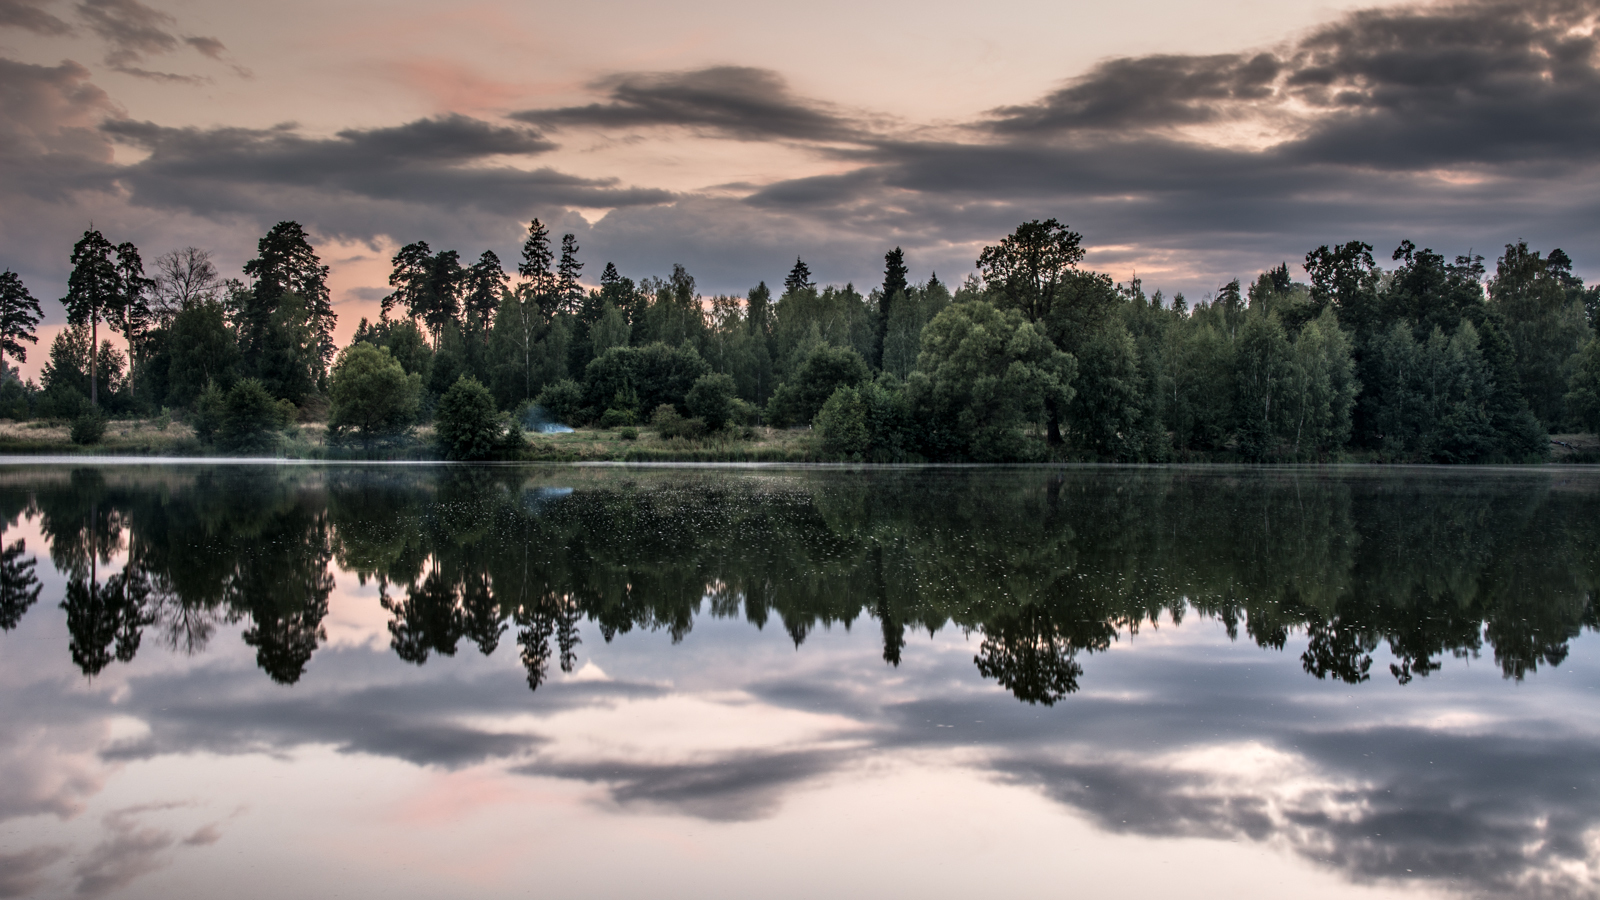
{"points": [[670, 425], [207, 416], [562, 401], [712, 399], [63, 401], [629, 434], [798, 400], [616, 418], [843, 423], [13, 400], [466, 423], [372, 394], [251, 418], [89, 428]]}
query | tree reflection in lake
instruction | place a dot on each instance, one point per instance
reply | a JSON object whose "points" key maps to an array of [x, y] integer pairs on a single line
{"points": [[1047, 566]]}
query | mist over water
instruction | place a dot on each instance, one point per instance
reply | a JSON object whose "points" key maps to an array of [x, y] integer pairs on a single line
{"points": [[1207, 681]]}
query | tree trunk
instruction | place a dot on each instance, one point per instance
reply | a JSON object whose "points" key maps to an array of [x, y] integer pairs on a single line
{"points": [[94, 375]]}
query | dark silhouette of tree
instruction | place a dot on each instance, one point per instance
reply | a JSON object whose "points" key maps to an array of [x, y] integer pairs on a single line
{"points": [[799, 277], [567, 272], [485, 280], [1030, 265], [539, 280], [19, 586], [94, 291], [19, 316]]}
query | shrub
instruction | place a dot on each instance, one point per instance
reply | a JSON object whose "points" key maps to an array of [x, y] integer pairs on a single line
{"points": [[843, 423], [207, 416], [798, 400], [712, 399], [670, 425], [251, 418], [616, 418], [466, 423], [629, 434], [372, 394], [88, 428], [562, 401]]}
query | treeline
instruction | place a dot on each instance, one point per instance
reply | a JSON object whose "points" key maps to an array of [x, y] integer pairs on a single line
{"points": [[1033, 357], [1047, 569]]}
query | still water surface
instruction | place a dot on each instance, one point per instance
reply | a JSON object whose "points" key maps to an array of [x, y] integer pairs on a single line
{"points": [[491, 682]]}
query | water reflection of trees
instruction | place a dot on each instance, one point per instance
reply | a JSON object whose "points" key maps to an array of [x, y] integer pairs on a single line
{"points": [[1046, 566]]}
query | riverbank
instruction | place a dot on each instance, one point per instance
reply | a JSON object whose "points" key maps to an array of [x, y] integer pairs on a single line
{"points": [[157, 437]]}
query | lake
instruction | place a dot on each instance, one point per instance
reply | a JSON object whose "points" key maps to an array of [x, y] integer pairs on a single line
{"points": [[508, 681]]}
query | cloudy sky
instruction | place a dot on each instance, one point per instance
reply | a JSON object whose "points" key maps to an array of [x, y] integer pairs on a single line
{"points": [[1188, 142]]}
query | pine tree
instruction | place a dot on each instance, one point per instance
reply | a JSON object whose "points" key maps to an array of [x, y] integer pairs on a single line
{"points": [[485, 280], [19, 316], [93, 292]]}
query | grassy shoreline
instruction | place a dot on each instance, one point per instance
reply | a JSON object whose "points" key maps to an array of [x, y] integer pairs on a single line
{"points": [[153, 437]]}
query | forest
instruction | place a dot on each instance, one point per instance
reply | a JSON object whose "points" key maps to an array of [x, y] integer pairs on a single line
{"points": [[1035, 357]]}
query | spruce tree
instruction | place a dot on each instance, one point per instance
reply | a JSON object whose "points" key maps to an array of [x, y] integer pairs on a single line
{"points": [[894, 282], [567, 271], [539, 280], [799, 277], [485, 280]]}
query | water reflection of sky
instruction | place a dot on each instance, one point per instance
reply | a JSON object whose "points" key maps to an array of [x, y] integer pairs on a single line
{"points": [[734, 763]]}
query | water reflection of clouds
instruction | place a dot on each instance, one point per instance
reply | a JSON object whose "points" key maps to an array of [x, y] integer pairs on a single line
{"points": [[1373, 782]]}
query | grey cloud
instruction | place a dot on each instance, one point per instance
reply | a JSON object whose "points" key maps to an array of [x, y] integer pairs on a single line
{"points": [[132, 29], [1507, 817], [30, 15], [1148, 91], [734, 788], [434, 163], [21, 873], [233, 713], [1400, 88], [731, 101], [208, 46], [130, 850]]}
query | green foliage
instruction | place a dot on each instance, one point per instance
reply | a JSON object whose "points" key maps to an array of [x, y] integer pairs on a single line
{"points": [[711, 399], [798, 400], [1583, 396], [251, 419], [1264, 366], [669, 424], [14, 399], [372, 394], [616, 418], [88, 428], [562, 401], [982, 376], [648, 376], [466, 422], [629, 434], [19, 316], [68, 370], [843, 424], [1104, 413], [200, 348]]}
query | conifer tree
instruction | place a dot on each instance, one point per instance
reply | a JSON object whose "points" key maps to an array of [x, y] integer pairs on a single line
{"points": [[19, 316], [567, 271], [93, 292]]}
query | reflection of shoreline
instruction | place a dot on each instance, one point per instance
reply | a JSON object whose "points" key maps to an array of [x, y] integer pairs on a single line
{"points": [[1048, 564]]}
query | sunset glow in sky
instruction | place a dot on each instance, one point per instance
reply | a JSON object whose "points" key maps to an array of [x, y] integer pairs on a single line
{"points": [[1190, 143]]}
